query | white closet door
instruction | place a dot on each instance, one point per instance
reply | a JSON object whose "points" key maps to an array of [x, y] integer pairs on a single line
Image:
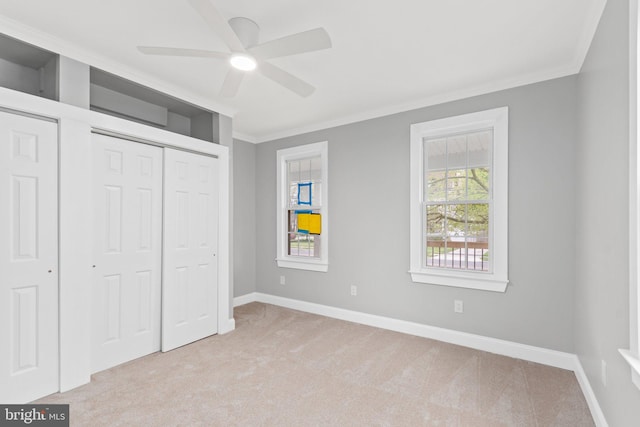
{"points": [[28, 258], [190, 268], [127, 250]]}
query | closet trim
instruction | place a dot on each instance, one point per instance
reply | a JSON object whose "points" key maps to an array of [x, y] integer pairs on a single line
{"points": [[149, 142]]}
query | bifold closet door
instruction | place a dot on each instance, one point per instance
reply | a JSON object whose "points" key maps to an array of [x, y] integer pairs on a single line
{"points": [[28, 258], [190, 269], [127, 250]]}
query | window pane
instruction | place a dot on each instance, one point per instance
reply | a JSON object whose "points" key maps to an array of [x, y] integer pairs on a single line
{"points": [[293, 194], [316, 169], [478, 236], [435, 254], [478, 184], [314, 246], [436, 186], [479, 157], [316, 199], [293, 244], [305, 170], [294, 171], [435, 151], [456, 184], [436, 221], [293, 221], [293, 177], [457, 152], [478, 221], [435, 160], [456, 222], [316, 179], [478, 148], [303, 245]]}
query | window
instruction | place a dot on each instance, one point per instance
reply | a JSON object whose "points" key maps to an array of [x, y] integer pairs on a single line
{"points": [[459, 201], [303, 232]]}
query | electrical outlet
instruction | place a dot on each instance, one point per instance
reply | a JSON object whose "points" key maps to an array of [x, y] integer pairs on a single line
{"points": [[603, 372], [282, 280], [354, 290], [458, 306]]}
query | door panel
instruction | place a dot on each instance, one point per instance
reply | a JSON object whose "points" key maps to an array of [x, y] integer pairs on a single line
{"points": [[28, 258], [190, 269], [127, 250]]}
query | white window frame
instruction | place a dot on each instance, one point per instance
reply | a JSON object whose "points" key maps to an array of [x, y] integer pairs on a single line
{"points": [[632, 354], [496, 279], [283, 259]]}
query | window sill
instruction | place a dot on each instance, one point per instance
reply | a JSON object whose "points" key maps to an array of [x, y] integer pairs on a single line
{"points": [[634, 362], [461, 280], [320, 266]]}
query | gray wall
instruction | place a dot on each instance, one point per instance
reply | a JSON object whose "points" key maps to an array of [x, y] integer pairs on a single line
{"points": [[369, 221], [244, 227], [602, 286]]}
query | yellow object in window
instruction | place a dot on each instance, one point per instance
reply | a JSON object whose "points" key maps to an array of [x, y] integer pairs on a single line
{"points": [[309, 223]]}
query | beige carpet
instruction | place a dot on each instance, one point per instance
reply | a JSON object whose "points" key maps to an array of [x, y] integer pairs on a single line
{"points": [[282, 367]]}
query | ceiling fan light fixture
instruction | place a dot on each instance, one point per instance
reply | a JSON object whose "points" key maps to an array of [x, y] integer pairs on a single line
{"points": [[243, 62]]}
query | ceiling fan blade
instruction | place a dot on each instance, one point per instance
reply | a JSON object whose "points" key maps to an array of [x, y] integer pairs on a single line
{"points": [[307, 41], [217, 23], [285, 79], [231, 83], [177, 51]]}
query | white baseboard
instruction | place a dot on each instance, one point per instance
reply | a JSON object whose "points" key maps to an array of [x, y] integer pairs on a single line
{"points": [[558, 359], [478, 342], [226, 327], [589, 394], [245, 299]]}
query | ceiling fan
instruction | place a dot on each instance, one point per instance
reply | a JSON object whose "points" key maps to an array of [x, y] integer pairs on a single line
{"points": [[241, 36]]}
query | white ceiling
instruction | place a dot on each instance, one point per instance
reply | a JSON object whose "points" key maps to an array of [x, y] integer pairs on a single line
{"points": [[387, 56]]}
